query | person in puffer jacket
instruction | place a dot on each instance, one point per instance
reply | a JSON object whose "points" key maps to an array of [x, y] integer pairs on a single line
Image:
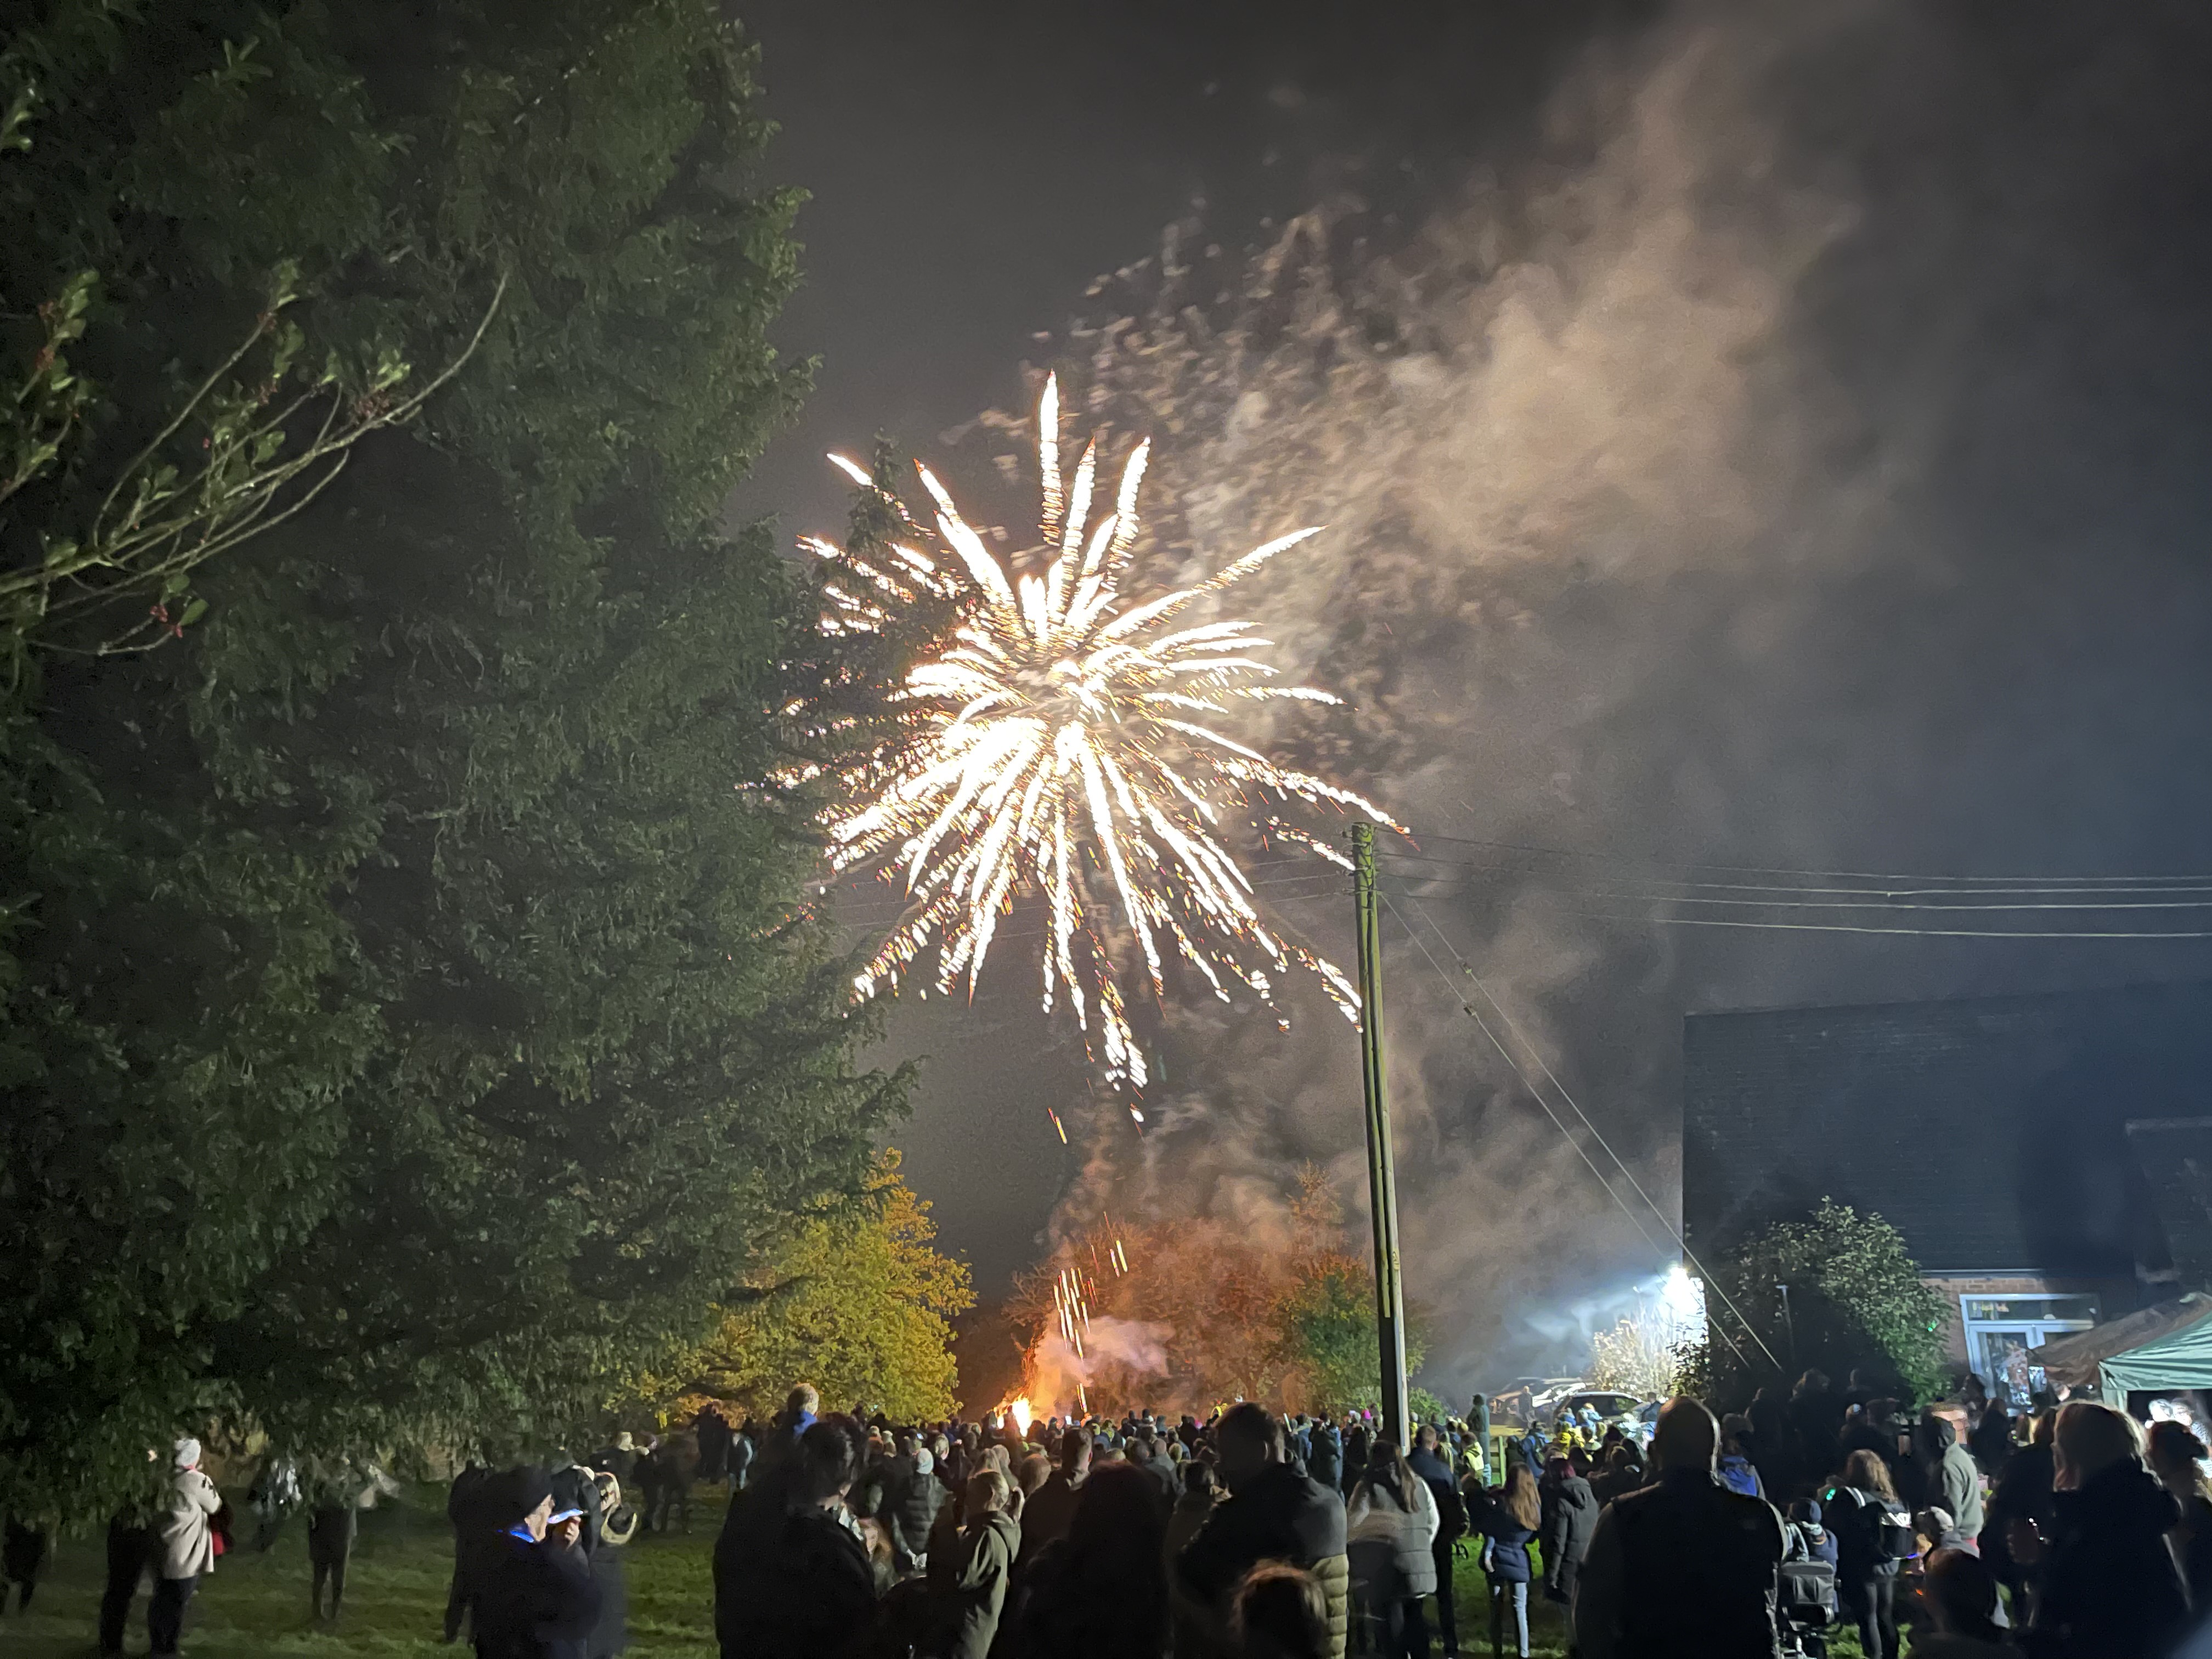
{"points": [[1272, 1513], [2105, 1584], [910, 1510], [1390, 1525]]}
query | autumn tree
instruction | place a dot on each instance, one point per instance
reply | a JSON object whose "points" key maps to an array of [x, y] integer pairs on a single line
{"points": [[1636, 1355], [1326, 1335], [1288, 1320], [856, 1299]]}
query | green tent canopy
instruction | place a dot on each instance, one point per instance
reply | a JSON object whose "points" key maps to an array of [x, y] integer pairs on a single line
{"points": [[2168, 1346]]}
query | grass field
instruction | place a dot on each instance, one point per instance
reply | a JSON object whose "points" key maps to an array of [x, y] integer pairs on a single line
{"points": [[255, 1606]]}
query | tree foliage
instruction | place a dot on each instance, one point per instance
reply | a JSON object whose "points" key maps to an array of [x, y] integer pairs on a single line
{"points": [[1856, 1301], [1237, 1315], [411, 1009], [856, 1299], [1638, 1355], [1326, 1340]]}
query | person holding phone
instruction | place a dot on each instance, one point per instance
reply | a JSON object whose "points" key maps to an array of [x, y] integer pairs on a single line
{"points": [[537, 1599]]}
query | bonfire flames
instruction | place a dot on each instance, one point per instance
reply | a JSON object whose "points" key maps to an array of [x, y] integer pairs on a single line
{"points": [[1075, 1345], [1185, 1315]]}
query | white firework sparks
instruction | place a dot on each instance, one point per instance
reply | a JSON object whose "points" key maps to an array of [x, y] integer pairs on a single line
{"points": [[1060, 744]]}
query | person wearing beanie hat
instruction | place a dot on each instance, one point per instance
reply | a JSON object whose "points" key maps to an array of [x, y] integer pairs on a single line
{"points": [[187, 1546], [537, 1599]]}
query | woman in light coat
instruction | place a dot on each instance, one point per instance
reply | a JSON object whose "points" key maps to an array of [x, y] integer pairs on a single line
{"points": [[1390, 1525], [187, 1546]]}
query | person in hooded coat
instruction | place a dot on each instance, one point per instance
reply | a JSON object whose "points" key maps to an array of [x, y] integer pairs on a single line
{"points": [[910, 1509], [2104, 1582], [1390, 1527], [536, 1599], [1570, 1513], [1325, 1459], [972, 1572], [1953, 1483]]}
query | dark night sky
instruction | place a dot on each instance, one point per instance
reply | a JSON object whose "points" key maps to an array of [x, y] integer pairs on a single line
{"points": [[973, 168], [1976, 633]]}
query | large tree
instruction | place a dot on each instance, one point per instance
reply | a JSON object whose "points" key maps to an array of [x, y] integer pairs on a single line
{"points": [[413, 1012]]}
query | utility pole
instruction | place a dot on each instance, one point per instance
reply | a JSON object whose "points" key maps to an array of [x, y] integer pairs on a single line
{"points": [[1382, 1167]]}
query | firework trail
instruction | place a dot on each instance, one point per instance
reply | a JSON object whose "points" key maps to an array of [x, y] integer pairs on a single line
{"points": [[1061, 742]]}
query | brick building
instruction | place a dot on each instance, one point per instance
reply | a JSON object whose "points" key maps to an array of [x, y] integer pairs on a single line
{"points": [[2036, 1152]]}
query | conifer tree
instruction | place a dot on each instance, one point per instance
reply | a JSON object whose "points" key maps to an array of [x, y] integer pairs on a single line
{"points": [[414, 1010]]}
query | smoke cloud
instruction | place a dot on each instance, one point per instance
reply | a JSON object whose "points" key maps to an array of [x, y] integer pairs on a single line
{"points": [[1127, 1349], [1672, 471]]}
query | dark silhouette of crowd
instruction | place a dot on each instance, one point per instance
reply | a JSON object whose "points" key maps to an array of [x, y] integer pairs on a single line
{"points": [[2065, 1534]]}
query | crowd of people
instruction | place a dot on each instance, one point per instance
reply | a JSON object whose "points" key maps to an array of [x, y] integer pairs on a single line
{"points": [[2070, 1535], [2066, 1534]]}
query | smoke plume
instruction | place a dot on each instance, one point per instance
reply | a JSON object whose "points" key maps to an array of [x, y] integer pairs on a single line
{"points": [[1655, 529], [1663, 523]]}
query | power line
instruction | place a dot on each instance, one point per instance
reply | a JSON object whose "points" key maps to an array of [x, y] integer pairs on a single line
{"points": [[1573, 1105], [2123, 894], [1994, 902], [1786, 869], [1864, 887], [1537, 1095], [1433, 885], [1905, 933]]}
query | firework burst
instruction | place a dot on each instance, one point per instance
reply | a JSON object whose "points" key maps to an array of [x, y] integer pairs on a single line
{"points": [[1061, 742]]}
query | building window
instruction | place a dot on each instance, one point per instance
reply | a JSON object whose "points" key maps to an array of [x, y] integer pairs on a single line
{"points": [[2004, 1332]]}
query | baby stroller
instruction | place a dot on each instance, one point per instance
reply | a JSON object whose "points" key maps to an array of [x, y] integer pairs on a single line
{"points": [[1807, 1604]]}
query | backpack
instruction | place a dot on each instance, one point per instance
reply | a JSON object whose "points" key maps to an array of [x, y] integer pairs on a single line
{"points": [[1888, 1526]]}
